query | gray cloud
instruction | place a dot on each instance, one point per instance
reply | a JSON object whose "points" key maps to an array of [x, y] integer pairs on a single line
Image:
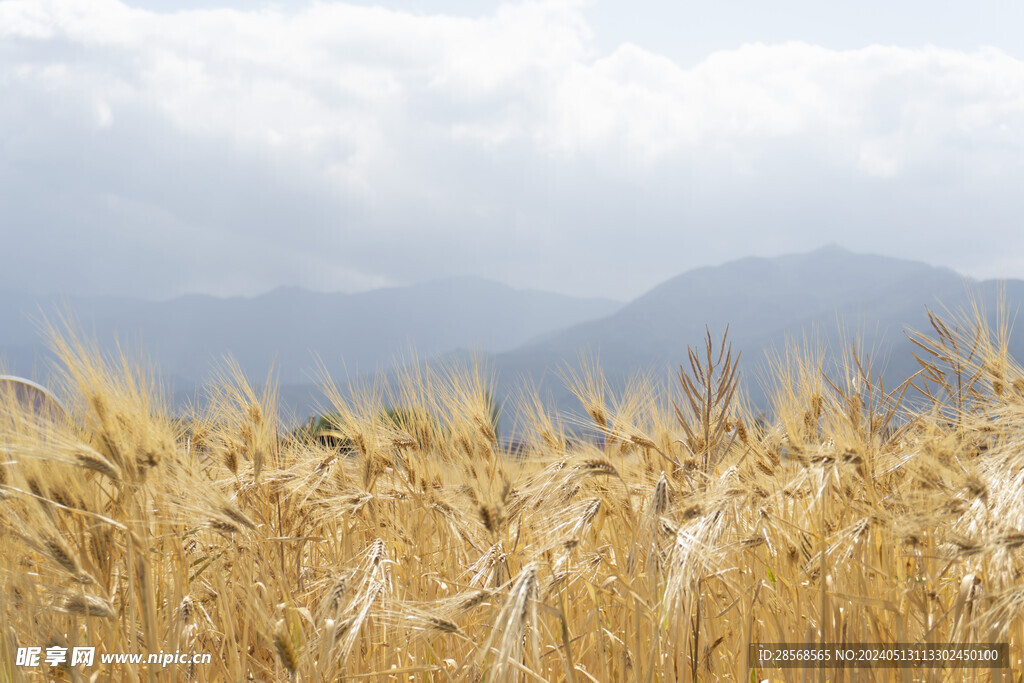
{"points": [[346, 147]]}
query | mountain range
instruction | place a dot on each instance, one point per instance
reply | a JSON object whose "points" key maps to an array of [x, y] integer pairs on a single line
{"points": [[522, 335], [293, 330]]}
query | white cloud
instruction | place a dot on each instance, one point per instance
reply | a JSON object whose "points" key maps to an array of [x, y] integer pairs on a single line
{"points": [[444, 133]]}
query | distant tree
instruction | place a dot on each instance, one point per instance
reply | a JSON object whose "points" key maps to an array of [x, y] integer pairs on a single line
{"points": [[326, 430], [418, 424]]}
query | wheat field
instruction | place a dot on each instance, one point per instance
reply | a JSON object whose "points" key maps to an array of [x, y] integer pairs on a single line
{"points": [[653, 539]]}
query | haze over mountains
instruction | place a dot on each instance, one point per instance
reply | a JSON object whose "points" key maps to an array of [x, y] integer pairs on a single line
{"points": [[291, 328], [828, 294], [526, 334]]}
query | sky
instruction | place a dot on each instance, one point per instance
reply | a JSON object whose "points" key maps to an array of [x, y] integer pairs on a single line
{"points": [[157, 147]]}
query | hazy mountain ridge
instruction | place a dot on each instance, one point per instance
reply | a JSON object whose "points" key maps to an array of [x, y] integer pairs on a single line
{"points": [[830, 295], [290, 328], [529, 335]]}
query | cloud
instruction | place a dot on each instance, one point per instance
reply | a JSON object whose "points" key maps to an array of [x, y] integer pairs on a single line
{"points": [[340, 146]]}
